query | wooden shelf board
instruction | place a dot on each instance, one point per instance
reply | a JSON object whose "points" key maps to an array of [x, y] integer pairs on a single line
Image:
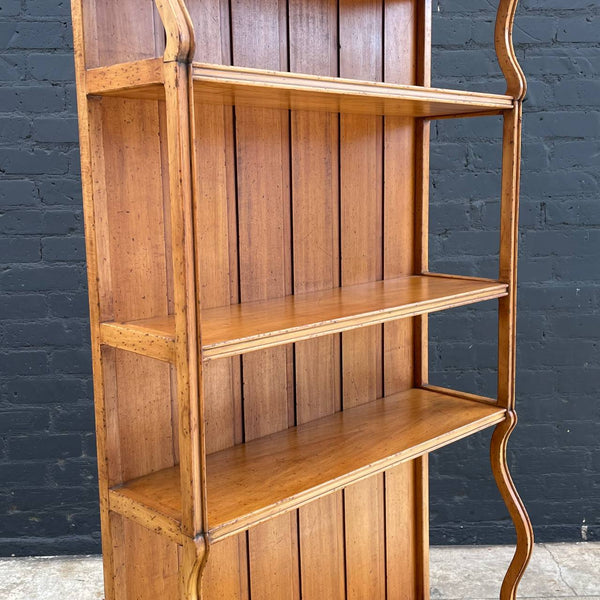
{"points": [[217, 84], [139, 79], [153, 337], [239, 328], [252, 482], [155, 505], [221, 84]]}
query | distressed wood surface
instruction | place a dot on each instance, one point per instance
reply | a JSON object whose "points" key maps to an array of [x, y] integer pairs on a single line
{"points": [[318, 457], [256, 205]]}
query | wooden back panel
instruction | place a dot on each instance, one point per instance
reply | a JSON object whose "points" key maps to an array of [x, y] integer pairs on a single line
{"points": [[288, 202], [116, 31]]}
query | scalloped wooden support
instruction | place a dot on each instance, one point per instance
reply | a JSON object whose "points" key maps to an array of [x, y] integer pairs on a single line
{"points": [[515, 507], [179, 30], [515, 79], [194, 555]]}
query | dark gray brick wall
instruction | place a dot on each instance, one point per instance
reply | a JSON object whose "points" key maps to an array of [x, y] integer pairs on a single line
{"points": [[48, 492], [47, 464], [554, 452]]}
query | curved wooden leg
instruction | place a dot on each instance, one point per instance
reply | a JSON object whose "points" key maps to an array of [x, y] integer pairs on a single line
{"points": [[192, 561], [515, 507]]}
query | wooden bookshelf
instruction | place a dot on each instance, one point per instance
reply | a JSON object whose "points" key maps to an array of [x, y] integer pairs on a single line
{"points": [[255, 184]]}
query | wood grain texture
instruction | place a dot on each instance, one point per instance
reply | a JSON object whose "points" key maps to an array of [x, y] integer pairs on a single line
{"points": [[507, 310], [516, 86], [188, 369], [255, 87], [238, 328], [403, 502], [515, 507], [208, 203], [106, 450], [222, 85], [141, 78], [315, 218], [253, 481], [509, 226], [361, 215], [226, 570], [154, 337], [137, 552], [259, 32], [119, 32]]}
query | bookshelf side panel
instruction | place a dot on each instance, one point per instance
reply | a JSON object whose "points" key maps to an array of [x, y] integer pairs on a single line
{"points": [[117, 31]]}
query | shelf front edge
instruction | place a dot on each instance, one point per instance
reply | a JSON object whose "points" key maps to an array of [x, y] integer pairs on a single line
{"points": [[153, 500], [139, 79], [235, 526], [140, 340], [267, 340], [218, 84], [135, 510]]}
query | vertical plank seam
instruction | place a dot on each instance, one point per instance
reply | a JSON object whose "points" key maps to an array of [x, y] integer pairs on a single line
{"points": [[344, 538]]}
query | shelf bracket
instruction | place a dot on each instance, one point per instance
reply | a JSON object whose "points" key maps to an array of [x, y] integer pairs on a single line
{"points": [[515, 79], [514, 504]]}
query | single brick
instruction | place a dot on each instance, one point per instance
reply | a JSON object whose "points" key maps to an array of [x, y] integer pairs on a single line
{"points": [[74, 304], [10, 8], [21, 222], [63, 249], [55, 129], [20, 249], [22, 473], [13, 127], [72, 362], [49, 8], [40, 98], [52, 67], [46, 333], [17, 192], [44, 390], [23, 306], [579, 124], [61, 222], [33, 162], [24, 421], [12, 67], [29, 35], [60, 192], [41, 277], [579, 154], [44, 446], [73, 418], [33, 362], [582, 28]]}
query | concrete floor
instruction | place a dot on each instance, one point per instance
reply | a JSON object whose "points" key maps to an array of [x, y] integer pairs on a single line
{"points": [[557, 571]]}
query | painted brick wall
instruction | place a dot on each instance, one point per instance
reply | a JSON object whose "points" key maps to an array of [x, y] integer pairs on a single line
{"points": [[47, 464]]}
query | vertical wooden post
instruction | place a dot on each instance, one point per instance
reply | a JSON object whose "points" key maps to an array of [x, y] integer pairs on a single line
{"points": [[186, 364], [94, 297], [507, 306], [421, 369]]}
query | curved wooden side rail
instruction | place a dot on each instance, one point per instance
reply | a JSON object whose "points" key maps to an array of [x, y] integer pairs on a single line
{"points": [[179, 30], [195, 554], [515, 507], [515, 79]]}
